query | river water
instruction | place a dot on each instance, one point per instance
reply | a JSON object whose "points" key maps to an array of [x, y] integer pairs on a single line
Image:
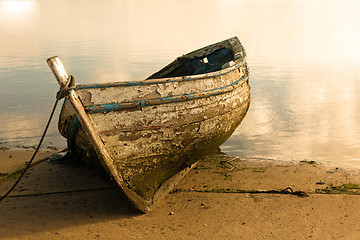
{"points": [[304, 59]]}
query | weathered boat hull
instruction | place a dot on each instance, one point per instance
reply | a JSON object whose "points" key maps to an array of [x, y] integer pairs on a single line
{"points": [[155, 130]]}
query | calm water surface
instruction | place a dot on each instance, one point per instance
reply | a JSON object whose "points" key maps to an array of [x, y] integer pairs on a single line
{"points": [[304, 58]]}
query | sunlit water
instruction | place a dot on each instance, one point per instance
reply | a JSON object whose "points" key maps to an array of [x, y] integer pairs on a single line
{"points": [[304, 59]]}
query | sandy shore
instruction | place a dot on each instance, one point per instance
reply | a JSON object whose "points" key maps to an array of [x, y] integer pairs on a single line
{"points": [[68, 201]]}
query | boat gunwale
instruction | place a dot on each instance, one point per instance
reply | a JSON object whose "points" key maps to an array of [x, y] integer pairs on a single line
{"points": [[166, 80]]}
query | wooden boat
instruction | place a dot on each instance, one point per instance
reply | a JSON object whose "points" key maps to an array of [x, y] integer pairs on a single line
{"points": [[148, 134]]}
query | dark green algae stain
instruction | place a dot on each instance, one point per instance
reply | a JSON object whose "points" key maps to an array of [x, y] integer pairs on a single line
{"points": [[15, 174], [345, 188], [308, 162], [146, 183]]}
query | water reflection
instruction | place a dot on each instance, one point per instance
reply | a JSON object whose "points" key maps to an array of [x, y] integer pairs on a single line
{"points": [[17, 16], [314, 116], [16, 8]]}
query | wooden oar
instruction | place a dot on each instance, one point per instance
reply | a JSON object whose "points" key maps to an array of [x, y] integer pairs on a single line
{"points": [[95, 141]]}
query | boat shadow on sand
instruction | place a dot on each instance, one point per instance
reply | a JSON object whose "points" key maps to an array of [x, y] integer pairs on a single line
{"points": [[65, 194], [56, 196]]}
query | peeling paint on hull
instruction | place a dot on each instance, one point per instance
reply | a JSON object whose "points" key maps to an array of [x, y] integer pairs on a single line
{"points": [[155, 130]]}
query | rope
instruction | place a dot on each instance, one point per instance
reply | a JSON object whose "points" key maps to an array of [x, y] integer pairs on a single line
{"points": [[70, 84], [61, 192], [287, 190], [33, 156]]}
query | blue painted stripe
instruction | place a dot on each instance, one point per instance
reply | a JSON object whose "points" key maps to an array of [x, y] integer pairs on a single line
{"points": [[108, 107]]}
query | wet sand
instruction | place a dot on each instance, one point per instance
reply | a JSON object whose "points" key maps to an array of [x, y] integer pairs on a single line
{"points": [[68, 201]]}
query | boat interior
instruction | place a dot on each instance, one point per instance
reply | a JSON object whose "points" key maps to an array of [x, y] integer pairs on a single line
{"points": [[187, 66]]}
